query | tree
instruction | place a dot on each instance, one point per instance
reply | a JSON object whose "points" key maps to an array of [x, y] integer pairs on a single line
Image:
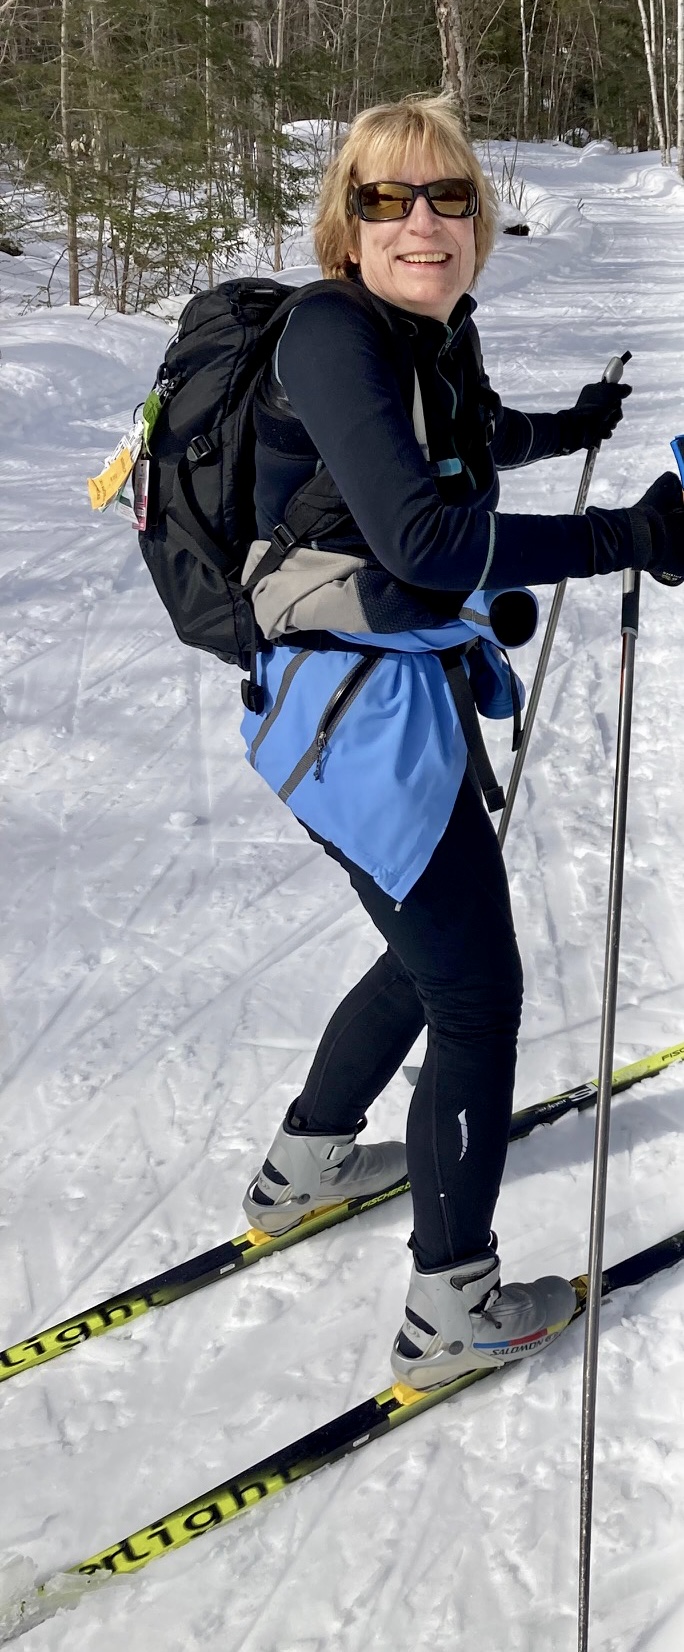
{"points": [[452, 40], [162, 136], [649, 52]]}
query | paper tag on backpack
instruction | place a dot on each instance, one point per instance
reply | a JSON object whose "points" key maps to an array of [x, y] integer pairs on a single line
{"points": [[116, 469], [131, 499], [141, 488]]}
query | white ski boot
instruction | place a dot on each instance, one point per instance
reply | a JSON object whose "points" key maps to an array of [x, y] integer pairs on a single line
{"points": [[461, 1319], [305, 1172]]}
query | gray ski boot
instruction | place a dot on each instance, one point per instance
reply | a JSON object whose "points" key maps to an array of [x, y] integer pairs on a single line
{"points": [[461, 1319], [305, 1172]]}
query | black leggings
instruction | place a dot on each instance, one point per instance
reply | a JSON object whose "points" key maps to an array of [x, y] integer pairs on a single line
{"points": [[452, 962]]}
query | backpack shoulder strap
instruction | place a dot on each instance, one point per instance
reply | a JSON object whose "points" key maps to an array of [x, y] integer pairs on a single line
{"points": [[317, 506]]}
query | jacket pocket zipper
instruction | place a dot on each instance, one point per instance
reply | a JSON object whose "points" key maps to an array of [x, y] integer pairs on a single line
{"points": [[333, 713], [340, 702]]}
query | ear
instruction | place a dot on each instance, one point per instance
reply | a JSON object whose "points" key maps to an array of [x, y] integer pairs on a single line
{"points": [[353, 257]]}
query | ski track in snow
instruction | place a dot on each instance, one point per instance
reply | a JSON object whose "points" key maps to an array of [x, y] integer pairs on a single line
{"points": [[173, 948]]}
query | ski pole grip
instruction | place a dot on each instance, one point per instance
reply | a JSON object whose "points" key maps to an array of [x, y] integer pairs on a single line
{"points": [[615, 368], [631, 583]]}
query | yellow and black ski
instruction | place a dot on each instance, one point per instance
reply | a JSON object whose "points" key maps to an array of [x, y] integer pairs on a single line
{"points": [[349, 1432], [252, 1246]]}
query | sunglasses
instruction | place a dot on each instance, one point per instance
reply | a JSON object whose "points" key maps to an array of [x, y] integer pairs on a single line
{"points": [[381, 203]]}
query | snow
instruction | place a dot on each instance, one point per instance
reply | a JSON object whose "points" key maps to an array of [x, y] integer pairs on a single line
{"points": [[173, 945]]}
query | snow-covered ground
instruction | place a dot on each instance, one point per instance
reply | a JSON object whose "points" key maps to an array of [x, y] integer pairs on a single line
{"points": [[173, 945]]}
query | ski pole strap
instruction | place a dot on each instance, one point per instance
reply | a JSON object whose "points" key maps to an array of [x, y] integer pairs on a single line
{"points": [[516, 740], [454, 670]]}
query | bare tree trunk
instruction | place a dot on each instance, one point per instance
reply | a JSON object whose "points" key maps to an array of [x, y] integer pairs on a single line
{"points": [[666, 83], [568, 70], [209, 138], [99, 140], [260, 142], [552, 97], [65, 119], [680, 87], [526, 38], [277, 133], [338, 65], [114, 244], [454, 56], [569, 75], [650, 65], [596, 66], [376, 54], [128, 244], [547, 52], [357, 59]]}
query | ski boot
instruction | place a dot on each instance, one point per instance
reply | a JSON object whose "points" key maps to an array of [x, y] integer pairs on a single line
{"points": [[305, 1172], [461, 1319]]}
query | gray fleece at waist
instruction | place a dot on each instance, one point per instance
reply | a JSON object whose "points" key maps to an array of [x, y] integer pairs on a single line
{"points": [[311, 591]]}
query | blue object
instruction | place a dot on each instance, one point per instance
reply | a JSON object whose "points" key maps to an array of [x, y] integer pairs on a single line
{"points": [[677, 445], [389, 779]]}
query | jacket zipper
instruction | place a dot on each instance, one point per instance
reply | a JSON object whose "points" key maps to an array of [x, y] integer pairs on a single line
{"points": [[339, 702], [454, 409]]}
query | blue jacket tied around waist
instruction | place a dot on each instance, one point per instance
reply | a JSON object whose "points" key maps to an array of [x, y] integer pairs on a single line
{"points": [[366, 747], [388, 780]]}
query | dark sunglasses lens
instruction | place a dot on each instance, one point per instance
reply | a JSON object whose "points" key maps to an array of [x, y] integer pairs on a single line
{"points": [[380, 202], [453, 198]]}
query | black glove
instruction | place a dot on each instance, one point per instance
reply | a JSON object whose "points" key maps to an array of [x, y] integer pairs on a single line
{"points": [[592, 420], [648, 535], [663, 507]]}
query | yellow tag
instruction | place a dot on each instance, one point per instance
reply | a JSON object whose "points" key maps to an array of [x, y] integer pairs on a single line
{"points": [[104, 488]]}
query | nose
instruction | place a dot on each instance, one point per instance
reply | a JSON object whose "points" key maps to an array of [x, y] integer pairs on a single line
{"points": [[422, 220]]}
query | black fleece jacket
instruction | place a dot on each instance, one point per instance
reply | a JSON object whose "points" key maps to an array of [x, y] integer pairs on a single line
{"points": [[340, 390]]}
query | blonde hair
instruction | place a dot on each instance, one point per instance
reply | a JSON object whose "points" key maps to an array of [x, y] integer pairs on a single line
{"points": [[377, 146]]}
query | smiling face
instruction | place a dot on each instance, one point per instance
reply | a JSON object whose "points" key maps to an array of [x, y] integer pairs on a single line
{"points": [[422, 263]]}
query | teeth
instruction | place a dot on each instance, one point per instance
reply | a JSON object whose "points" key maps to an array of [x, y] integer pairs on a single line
{"points": [[424, 257]]}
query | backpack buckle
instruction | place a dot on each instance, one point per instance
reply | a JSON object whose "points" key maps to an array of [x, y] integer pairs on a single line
{"points": [[200, 448], [283, 538]]}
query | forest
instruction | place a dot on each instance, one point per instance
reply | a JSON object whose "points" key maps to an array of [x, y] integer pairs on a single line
{"points": [[156, 142]]}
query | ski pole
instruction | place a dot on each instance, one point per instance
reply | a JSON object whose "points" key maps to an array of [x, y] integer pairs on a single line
{"points": [[612, 375], [630, 627]]}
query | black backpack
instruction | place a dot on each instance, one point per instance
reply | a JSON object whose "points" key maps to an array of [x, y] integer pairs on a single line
{"points": [[200, 515]]}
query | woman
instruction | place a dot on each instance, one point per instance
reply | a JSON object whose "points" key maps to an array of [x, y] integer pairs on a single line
{"points": [[376, 405]]}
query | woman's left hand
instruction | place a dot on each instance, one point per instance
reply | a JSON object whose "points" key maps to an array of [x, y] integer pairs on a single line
{"points": [[597, 411]]}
